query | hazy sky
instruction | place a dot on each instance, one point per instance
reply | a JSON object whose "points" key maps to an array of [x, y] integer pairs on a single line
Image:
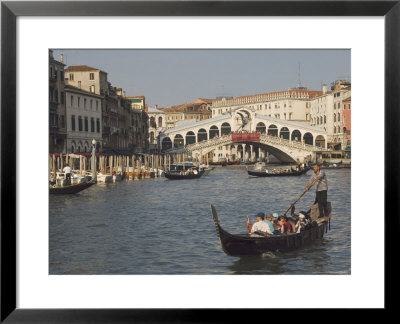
{"points": [[172, 77]]}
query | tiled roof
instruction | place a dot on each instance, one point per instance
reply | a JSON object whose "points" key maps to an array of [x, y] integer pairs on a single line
{"points": [[81, 68]]}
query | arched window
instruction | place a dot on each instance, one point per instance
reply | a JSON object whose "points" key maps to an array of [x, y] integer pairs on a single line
{"points": [[190, 138], [152, 137], [284, 133], [261, 128], [201, 135], [214, 131], [166, 144], [324, 119], [225, 129], [334, 117], [160, 121], [296, 135], [273, 130], [308, 139]]}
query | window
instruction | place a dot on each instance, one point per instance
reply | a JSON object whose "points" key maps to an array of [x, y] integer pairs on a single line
{"points": [[338, 116], [71, 76], [91, 77], [62, 121], [62, 75], [324, 119], [91, 104], [80, 125], [72, 101], [98, 125], [56, 96], [62, 97], [79, 101], [84, 103], [73, 122], [334, 117], [92, 125], [97, 105], [92, 89], [86, 124]]}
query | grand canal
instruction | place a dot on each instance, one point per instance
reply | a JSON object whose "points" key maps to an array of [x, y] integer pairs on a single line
{"points": [[159, 226]]}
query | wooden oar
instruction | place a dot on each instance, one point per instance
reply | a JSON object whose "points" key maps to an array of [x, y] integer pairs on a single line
{"points": [[298, 198]]}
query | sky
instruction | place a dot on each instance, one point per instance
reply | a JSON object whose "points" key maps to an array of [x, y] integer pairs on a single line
{"points": [[173, 77]]}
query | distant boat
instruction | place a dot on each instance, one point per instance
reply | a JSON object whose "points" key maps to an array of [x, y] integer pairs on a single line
{"points": [[71, 189], [291, 173], [245, 244], [179, 176]]}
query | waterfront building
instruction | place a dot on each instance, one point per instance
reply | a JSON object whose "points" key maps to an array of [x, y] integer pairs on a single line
{"points": [[198, 110], [139, 124], [326, 112], [83, 115], [124, 119], [57, 114], [346, 121], [293, 104], [157, 124]]}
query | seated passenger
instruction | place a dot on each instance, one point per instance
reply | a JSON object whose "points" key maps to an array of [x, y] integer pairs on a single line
{"points": [[275, 223], [301, 224], [285, 225], [260, 225], [268, 220]]}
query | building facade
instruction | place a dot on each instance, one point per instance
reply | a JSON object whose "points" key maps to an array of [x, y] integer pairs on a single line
{"points": [[139, 123], [294, 104], [57, 113], [124, 124], [326, 112], [83, 115], [157, 124], [346, 121]]}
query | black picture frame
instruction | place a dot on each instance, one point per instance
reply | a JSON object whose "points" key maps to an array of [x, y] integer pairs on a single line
{"points": [[11, 10]]}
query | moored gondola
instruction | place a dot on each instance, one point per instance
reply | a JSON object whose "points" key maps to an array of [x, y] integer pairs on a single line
{"points": [[246, 244], [291, 173], [179, 176], [71, 189]]}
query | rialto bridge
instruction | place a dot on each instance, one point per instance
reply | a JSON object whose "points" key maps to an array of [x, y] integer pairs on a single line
{"points": [[287, 140]]}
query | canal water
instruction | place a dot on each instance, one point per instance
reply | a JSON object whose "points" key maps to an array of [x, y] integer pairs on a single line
{"points": [[160, 226]]}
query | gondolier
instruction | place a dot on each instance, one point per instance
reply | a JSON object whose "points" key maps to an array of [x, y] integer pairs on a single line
{"points": [[67, 171], [319, 177]]}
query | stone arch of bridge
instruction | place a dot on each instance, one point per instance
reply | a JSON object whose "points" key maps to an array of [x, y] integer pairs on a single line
{"points": [[277, 152]]}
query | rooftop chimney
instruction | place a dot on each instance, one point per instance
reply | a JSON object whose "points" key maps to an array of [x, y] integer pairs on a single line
{"points": [[324, 87], [62, 58]]}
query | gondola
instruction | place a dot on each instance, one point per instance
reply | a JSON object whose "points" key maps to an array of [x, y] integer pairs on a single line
{"points": [[262, 173], [246, 244], [71, 189], [178, 176]]}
